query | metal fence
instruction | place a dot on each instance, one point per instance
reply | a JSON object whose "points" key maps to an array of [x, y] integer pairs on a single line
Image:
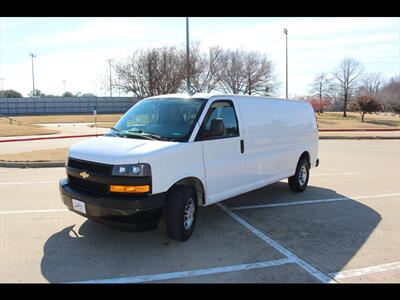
{"points": [[63, 105]]}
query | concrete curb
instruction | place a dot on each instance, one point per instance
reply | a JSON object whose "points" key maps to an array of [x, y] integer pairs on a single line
{"points": [[360, 130], [32, 164], [359, 137]]}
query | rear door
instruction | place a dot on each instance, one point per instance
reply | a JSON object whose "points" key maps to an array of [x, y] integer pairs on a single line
{"points": [[223, 158]]}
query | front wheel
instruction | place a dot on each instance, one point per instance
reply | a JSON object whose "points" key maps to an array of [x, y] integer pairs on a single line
{"points": [[181, 212], [298, 182]]}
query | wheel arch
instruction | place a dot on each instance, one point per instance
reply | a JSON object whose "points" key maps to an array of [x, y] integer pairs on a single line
{"points": [[305, 155], [197, 184]]}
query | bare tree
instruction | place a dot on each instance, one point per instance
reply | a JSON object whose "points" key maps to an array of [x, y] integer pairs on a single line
{"points": [[232, 79], [334, 97], [171, 71], [371, 84], [258, 73], [196, 67], [156, 71], [347, 75], [321, 87], [390, 94], [130, 76], [151, 72], [246, 73], [204, 69]]}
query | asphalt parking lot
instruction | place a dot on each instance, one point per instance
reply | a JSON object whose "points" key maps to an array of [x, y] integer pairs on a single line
{"points": [[344, 228]]}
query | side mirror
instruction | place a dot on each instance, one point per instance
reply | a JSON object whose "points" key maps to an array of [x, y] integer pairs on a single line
{"points": [[217, 128]]}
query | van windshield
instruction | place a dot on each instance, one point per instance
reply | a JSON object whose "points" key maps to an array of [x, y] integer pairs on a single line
{"points": [[170, 119]]}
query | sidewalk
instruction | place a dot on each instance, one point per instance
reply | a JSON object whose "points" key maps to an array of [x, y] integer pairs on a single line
{"points": [[360, 135]]}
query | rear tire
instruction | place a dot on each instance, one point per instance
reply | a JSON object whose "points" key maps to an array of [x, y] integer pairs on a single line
{"points": [[298, 182], [181, 212]]}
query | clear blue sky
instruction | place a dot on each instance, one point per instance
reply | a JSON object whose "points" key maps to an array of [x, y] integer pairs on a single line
{"points": [[76, 49]]}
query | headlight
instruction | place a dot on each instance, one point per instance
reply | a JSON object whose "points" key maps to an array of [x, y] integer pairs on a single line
{"points": [[132, 170]]}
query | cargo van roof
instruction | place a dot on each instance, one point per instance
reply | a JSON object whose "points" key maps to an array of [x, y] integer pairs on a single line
{"points": [[209, 95], [185, 95]]}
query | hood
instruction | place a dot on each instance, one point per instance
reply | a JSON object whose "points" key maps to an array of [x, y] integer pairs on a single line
{"points": [[116, 150]]}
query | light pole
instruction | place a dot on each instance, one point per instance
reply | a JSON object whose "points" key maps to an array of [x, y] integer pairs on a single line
{"points": [[64, 85], [109, 61], [286, 33], [2, 80], [32, 55], [187, 57]]}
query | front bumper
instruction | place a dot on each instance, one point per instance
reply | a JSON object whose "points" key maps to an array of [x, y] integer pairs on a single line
{"points": [[136, 213]]}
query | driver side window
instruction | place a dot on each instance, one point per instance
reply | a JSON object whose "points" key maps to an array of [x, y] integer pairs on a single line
{"points": [[220, 110]]}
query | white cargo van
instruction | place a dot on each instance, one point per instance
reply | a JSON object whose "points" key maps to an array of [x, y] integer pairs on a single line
{"points": [[173, 153]]}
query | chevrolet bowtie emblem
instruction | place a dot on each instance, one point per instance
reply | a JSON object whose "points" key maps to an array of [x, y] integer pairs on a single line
{"points": [[84, 175]]}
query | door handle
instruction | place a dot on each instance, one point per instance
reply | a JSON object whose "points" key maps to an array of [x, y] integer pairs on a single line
{"points": [[241, 146]]}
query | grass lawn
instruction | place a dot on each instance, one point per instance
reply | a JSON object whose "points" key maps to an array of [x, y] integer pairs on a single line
{"points": [[25, 125], [335, 120], [58, 154], [67, 119], [19, 130]]}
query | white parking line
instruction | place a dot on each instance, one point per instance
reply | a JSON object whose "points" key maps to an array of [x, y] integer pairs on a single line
{"points": [[192, 273], [11, 212], [313, 201], [367, 270], [332, 174], [324, 278], [28, 182]]}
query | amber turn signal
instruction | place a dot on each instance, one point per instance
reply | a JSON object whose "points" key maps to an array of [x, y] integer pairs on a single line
{"points": [[129, 188]]}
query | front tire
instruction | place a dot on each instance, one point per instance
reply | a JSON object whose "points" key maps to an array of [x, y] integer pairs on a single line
{"points": [[298, 182], [181, 212]]}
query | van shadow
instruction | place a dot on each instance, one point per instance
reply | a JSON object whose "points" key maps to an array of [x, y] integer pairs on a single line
{"points": [[328, 236]]}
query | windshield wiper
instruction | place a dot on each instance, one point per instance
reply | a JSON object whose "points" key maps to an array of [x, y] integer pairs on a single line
{"points": [[141, 133], [153, 135], [113, 133], [127, 134]]}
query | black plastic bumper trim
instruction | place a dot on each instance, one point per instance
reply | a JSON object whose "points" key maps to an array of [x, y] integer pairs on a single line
{"points": [[136, 213]]}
